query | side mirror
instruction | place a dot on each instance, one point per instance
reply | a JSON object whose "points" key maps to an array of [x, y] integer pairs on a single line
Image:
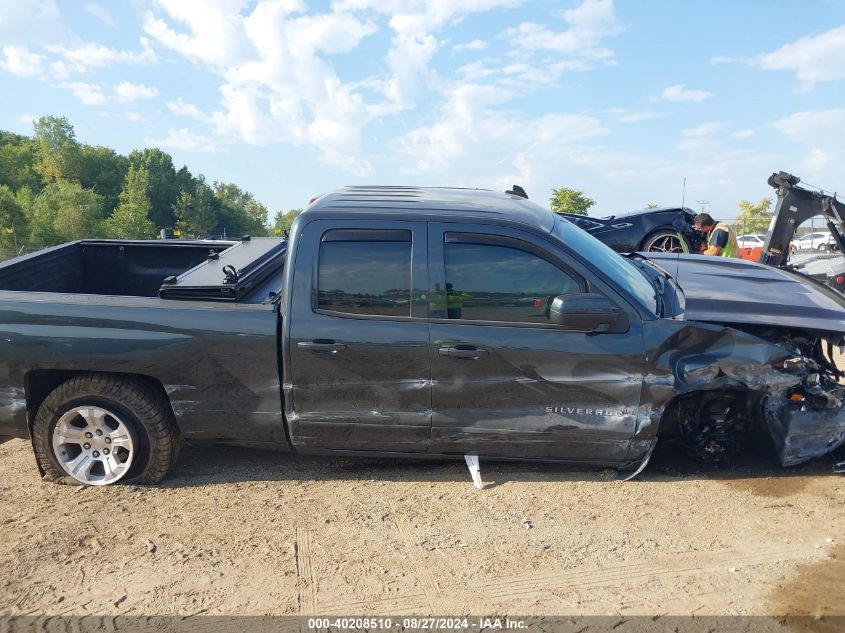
{"points": [[587, 312]]}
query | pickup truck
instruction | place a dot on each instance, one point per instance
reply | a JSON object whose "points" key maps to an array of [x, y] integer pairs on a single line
{"points": [[413, 322]]}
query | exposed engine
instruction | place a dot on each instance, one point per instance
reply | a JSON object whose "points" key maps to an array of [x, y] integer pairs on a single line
{"points": [[795, 399]]}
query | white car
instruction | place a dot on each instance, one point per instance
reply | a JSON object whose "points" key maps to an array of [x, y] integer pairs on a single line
{"points": [[820, 241], [751, 240]]}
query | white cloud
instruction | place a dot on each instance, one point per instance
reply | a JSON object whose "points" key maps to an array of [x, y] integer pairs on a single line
{"points": [[679, 93], [474, 45], [623, 115], [470, 127], [215, 33], [812, 59], [822, 135], [182, 108], [100, 12], [19, 61], [27, 119], [127, 92], [742, 134], [185, 140], [721, 59], [705, 129], [87, 56], [30, 22], [701, 138], [133, 116], [88, 94], [589, 24]]}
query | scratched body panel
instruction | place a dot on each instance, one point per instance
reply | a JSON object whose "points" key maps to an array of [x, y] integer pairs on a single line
{"points": [[217, 362], [539, 393]]}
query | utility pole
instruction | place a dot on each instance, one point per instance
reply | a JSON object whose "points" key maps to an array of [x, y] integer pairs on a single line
{"points": [[15, 236], [703, 203]]}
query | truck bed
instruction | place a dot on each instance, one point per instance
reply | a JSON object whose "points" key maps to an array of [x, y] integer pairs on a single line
{"points": [[105, 267], [246, 271]]}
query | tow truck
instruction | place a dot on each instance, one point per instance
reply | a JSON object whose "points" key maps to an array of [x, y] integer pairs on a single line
{"points": [[796, 205]]}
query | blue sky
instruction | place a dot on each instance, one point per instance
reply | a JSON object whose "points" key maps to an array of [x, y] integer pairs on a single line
{"points": [[288, 99]]}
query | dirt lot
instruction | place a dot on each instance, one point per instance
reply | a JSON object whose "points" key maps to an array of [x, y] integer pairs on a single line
{"points": [[252, 532]]}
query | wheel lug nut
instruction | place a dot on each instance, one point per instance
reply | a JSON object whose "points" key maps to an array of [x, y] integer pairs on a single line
{"points": [[108, 440], [99, 432], [96, 453], [86, 446], [89, 435], [105, 451]]}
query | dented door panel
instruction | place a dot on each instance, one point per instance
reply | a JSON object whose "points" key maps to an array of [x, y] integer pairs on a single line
{"points": [[541, 393]]}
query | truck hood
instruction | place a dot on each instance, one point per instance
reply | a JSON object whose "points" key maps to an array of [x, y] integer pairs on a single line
{"points": [[737, 291]]}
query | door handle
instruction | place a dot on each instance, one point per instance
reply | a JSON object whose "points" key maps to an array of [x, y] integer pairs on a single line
{"points": [[463, 351], [322, 345]]}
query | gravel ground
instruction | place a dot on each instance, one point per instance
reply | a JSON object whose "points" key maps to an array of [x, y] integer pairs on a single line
{"points": [[234, 531]]}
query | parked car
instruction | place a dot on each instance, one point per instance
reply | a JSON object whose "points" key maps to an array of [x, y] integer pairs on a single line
{"points": [[819, 241], [752, 240], [415, 322], [666, 230]]}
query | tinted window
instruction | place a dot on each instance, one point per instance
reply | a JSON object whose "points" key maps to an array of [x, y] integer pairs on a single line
{"points": [[498, 283], [367, 277], [607, 261]]}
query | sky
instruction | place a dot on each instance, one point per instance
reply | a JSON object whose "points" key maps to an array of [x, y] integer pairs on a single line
{"points": [[633, 102]]}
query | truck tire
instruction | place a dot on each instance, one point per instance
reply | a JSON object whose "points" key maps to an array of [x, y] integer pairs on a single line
{"points": [[666, 241], [98, 430]]}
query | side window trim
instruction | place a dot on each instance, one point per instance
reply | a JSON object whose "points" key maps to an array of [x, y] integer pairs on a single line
{"points": [[488, 239], [352, 235]]}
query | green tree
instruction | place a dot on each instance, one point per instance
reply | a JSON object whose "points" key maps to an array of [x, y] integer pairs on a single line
{"points": [[196, 210], [17, 157], [283, 220], [652, 205], [103, 170], [57, 150], [11, 217], [754, 218], [566, 200], [163, 187], [65, 211], [240, 212], [131, 218]]}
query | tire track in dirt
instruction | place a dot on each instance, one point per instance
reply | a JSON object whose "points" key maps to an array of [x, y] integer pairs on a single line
{"points": [[538, 585], [305, 584], [429, 584]]}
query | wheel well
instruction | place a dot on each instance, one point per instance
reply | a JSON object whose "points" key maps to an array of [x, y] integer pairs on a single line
{"points": [[40, 382], [711, 422], [662, 229]]}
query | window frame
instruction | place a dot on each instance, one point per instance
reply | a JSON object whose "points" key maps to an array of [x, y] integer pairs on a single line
{"points": [[441, 234], [369, 232]]}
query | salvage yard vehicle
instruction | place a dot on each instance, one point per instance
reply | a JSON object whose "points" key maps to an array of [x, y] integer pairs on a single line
{"points": [[796, 206], [412, 322], [664, 230]]}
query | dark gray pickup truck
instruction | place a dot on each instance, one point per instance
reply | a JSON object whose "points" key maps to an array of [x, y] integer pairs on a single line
{"points": [[411, 322]]}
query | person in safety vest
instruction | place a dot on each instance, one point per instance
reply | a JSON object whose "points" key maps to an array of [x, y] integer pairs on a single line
{"points": [[455, 302], [721, 240]]}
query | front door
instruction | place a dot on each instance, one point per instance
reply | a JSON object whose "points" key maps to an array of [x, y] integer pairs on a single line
{"points": [[358, 339], [508, 382]]}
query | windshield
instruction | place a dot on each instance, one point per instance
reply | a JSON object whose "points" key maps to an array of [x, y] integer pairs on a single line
{"points": [[608, 261]]}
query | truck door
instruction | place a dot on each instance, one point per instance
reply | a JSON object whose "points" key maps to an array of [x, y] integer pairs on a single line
{"points": [[508, 382], [359, 375]]}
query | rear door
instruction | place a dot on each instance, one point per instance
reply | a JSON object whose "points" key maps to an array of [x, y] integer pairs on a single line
{"points": [[360, 376], [508, 382]]}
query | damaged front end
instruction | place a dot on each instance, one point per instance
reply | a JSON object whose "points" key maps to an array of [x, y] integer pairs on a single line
{"points": [[775, 383], [807, 420]]}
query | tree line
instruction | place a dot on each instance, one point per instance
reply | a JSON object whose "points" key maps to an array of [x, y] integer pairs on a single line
{"points": [[54, 189]]}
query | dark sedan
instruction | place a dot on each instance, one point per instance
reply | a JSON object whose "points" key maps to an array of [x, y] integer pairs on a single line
{"points": [[666, 230]]}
